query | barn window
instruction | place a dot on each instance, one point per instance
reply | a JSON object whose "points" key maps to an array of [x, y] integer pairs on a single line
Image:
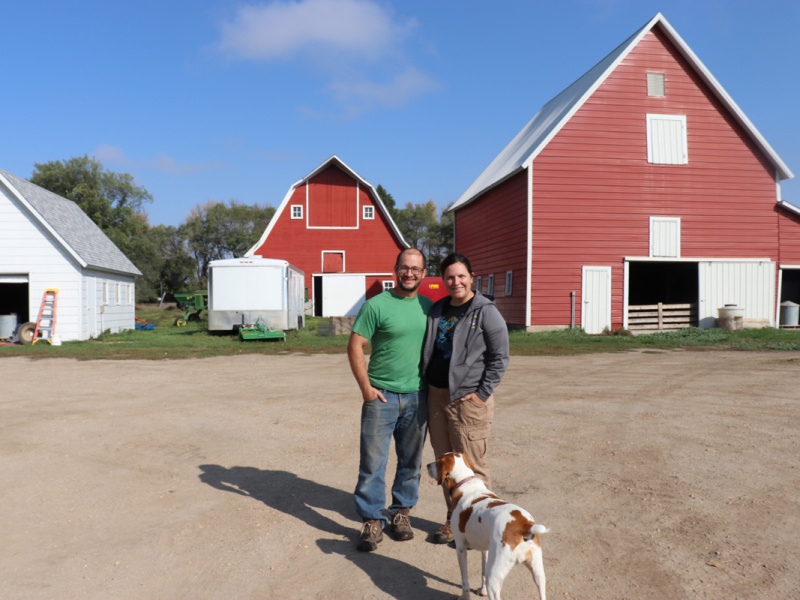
{"points": [[388, 284], [297, 211], [479, 283], [509, 282], [105, 292], [666, 140], [369, 212], [665, 237], [119, 293], [655, 84], [490, 284]]}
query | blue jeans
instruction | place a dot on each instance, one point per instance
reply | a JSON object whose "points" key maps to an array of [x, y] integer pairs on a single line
{"points": [[404, 417]]}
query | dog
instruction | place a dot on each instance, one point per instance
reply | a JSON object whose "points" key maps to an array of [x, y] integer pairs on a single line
{"points": [[505, 534]]}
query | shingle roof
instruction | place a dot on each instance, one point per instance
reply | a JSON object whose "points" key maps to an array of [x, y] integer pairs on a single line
{"points": [[71, 227], [529, 142]]}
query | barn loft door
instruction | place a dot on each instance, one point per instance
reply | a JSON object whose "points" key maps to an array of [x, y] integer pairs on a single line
{"points": [[333, 262], [596, 295]]}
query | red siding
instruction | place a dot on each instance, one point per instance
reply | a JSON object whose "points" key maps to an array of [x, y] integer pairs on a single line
{"points": [[594, 191], [370, 249], [789, 224], [493, 235]]}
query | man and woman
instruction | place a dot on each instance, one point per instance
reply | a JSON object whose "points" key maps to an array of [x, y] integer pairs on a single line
{"points": [[463, 344]]}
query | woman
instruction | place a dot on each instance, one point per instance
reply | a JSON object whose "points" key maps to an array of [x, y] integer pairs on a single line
{"points": [[464, 357]]}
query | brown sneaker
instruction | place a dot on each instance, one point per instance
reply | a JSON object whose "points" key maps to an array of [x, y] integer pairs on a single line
{"points": [[371, 535], [401, 526], [444, 535]]}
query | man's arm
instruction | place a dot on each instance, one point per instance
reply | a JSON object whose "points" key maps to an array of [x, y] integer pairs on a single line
{"points": [[358, 365]]}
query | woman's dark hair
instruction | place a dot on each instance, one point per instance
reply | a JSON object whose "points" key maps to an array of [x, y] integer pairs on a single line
{"points": [[453, 258]]}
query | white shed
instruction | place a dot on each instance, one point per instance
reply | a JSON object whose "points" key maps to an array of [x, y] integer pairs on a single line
{"points": [[48, 242]]}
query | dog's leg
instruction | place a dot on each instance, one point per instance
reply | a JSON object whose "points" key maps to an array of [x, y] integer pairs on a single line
{"points": [[536, 567], [482, 591], [461, 551], [498, 565]]}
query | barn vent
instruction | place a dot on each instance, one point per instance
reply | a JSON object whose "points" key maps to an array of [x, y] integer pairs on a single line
{"points": [[655, 84]]}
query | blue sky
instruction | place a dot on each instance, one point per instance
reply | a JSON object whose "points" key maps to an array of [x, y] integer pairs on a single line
{"points": [[217, 100]]}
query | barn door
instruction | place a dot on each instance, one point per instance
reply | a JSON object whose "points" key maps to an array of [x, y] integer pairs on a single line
{"points": [[596, 295]]}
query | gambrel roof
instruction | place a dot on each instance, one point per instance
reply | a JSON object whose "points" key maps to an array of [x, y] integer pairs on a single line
{"points": [[529, 142], [69, 226], [333, 160]]}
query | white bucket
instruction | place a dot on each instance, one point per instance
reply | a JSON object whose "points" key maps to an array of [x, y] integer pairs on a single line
{"points": [[55, 340]]}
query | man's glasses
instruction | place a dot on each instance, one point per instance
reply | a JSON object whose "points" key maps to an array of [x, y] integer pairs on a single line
{"points": [[406, 269]]}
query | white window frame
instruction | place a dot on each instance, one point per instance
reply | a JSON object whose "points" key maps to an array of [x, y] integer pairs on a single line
{"points": [[129, 293], [296, 211], [388, 284], [659, 230], [119, 293], [490, 284], [368, 213], [667, 140], [509, 282], [479, 284]]}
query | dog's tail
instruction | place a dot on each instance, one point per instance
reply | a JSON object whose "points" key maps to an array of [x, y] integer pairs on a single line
{"points": [[536, 529]]}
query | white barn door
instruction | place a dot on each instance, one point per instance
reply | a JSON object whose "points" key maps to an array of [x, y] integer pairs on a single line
{"points": [[748, 284], [596, 295]]}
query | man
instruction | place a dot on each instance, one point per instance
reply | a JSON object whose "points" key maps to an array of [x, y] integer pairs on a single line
{"points": [[394, 399]]}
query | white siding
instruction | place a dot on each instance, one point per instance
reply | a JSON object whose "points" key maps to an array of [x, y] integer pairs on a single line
{"points": [[27, 248], [749, 285]]}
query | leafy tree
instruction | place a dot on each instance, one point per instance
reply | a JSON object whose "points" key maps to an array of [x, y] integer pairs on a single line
{"points": [[111, 200], [439, 241], [175, 271], [388, 201], [415, 220], [114, 202], [215, 230]]}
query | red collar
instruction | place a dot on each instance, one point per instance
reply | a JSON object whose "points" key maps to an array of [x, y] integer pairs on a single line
{"points": [[462, 482]]}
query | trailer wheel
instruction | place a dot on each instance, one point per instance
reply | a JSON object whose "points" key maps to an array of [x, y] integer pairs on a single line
{"points": [[180, 322], [25, 333]]}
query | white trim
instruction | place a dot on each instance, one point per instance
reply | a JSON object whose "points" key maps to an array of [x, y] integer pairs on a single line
{"points": [[625, 290], [676, 242], [682, 156], [368, 208], [387, 284], [291, 212], [690, 259], [789, 267], [529, 251]]}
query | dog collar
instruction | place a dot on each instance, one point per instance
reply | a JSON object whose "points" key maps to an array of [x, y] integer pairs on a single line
{"points": [[462, 482]]}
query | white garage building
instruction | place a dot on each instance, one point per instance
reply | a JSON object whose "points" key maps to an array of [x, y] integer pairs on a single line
{"points": [[48, 242]]}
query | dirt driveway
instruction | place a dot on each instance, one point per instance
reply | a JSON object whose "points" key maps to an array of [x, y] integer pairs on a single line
{"points": [[661, 475]]}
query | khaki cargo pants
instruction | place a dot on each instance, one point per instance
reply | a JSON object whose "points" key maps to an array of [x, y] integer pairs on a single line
{"points": [[463, 427]]}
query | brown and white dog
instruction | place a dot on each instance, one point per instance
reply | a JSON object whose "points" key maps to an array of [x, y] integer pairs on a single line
{"points": [[505, 534]]}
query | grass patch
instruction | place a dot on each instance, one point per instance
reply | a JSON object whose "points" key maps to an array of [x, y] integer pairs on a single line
{"points": [[167, 341]]}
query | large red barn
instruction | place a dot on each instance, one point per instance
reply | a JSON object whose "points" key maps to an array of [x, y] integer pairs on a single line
{"points": [[333, 226], [641, 197]]}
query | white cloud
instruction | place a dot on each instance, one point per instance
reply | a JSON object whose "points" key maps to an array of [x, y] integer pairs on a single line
{"points": [[162, 163], [283, 29], [356, 46]]}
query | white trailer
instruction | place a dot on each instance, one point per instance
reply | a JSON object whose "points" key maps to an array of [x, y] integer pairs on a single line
{"points": [[240, 290]]}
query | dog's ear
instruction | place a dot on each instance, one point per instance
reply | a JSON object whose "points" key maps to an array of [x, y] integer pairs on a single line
{"points": [[440, 470]]}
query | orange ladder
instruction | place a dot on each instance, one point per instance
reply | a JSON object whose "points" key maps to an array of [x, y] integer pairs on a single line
{"points": [[46, 323]]}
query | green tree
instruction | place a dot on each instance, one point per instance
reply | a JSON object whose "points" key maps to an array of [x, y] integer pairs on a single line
{"points": [[216, 230], [114, 202], [439, 241], [388, 201]]}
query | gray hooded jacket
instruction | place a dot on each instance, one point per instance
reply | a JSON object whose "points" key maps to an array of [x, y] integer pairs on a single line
{"points": [[480, 347]]}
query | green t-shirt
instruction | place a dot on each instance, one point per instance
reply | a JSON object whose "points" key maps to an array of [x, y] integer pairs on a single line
{"points": [[396, 328]]}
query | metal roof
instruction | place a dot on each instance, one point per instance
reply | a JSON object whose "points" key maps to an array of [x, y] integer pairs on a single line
{"points": [[533, 138], [70, 226]]}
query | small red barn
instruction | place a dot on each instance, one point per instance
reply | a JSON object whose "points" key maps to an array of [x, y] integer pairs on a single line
{"points": [[641, 197], [333, 225]]}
